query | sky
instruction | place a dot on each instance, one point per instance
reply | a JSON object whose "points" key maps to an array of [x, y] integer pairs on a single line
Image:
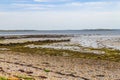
{"points": [[59, 14]]}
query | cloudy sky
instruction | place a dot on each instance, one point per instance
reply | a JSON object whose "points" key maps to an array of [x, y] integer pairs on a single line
{"points": [[59, 14]]}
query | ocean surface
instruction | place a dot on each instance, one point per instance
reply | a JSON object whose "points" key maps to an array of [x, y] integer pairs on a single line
{"points": [[61, 32]]}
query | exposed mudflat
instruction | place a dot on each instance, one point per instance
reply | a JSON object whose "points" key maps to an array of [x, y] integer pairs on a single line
{"points": [[98, 41]]}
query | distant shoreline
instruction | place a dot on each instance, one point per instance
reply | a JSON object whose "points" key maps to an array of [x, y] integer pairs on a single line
{"points": [[62, 30]]}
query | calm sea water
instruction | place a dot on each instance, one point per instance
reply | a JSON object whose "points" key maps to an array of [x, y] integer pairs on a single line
{"points": [[61, 32]]}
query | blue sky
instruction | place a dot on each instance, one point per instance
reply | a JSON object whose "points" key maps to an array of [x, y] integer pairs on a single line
{"points": [[59, 14]]}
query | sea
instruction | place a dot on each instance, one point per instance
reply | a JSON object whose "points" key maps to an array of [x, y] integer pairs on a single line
{"points": [[59, 32]]}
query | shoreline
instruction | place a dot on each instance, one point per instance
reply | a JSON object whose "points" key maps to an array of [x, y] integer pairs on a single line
{"points": [[57, 58]]}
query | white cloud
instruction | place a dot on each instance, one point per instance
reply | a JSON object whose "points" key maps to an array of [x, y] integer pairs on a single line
{"points": [[74, 4], [71, 5], [89, 4], [19, 1], [33, 6], [42, 0], [68, 15], [52, 0]]}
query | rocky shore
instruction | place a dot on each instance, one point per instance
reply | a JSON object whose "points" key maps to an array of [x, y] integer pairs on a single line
{"points": [[60, 58], [13, 64]]}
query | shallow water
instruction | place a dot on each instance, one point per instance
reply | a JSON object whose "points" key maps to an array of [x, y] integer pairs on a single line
{"points": [[73, 32], [86, 38], [98, 41]]}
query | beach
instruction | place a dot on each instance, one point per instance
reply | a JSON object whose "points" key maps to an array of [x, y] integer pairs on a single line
{"points": [[59, 39], [64, 57], [56, 67]]}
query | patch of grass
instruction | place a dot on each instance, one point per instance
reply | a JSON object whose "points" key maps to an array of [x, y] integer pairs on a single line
{"points": [[46, 70], [25, 78], [58, 52], [34, 36], [110, 54], [33, 42], [54, 52], [3, 78], [108, 51]]}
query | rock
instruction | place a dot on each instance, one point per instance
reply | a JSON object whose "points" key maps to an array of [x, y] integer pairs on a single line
{"points": [[21, 70], [1, 69], [43, 77], [100, 75], [83, 78], [13, 78], [29, 72]]}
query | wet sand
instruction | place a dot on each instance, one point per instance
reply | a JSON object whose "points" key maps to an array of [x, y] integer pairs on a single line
{"points": [[98, 41]]}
